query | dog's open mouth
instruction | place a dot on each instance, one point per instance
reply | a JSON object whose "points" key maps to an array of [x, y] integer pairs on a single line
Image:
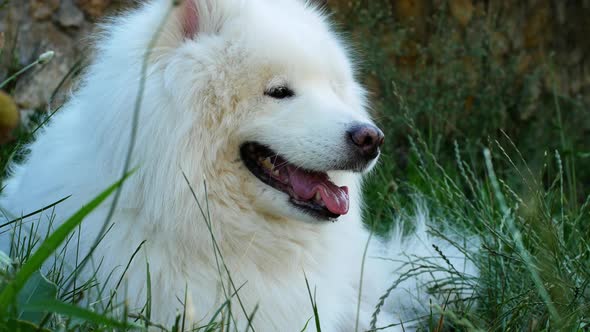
{"points": [[310, 191]]}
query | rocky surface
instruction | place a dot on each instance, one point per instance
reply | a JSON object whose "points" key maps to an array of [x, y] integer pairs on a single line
{"points": [[29, 28]]}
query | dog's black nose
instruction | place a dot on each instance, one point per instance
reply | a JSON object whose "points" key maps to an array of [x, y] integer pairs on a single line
{"points": [[367, 139]]}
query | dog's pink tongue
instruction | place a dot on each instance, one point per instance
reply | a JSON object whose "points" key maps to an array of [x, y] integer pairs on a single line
{"points": [[306, 184]]}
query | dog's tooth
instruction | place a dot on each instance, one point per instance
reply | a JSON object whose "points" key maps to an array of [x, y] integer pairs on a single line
{"points": [[318, 197], [266, 163]]}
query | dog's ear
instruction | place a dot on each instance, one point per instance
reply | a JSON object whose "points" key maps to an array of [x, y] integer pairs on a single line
{"points": [[203, 16], [189, 18]]}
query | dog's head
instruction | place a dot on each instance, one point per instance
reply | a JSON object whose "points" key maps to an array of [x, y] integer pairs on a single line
{"points": [[277, 110]]}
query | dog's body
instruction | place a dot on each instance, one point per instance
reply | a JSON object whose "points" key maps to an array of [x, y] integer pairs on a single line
{"points": [[225, 80]]}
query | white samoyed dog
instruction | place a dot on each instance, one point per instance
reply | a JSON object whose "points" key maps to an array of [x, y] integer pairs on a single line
{"points": [[251, 109]]}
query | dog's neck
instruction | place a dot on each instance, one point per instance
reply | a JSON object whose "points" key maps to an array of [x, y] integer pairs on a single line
{"points": [[247, 237]]}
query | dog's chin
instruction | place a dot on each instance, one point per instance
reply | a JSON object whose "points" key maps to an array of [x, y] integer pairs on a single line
{"points": [[367, 168], [292, 191], [279, 206]]}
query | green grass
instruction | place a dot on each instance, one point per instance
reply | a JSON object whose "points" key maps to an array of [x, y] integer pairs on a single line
{"points": [[460, 138], [526, 198]]}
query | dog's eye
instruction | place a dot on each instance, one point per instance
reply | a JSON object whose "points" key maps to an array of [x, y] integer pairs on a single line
{"points": [[279, 92]]}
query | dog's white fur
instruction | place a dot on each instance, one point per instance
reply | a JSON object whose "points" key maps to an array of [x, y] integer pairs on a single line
{"points": [[204, 97]]}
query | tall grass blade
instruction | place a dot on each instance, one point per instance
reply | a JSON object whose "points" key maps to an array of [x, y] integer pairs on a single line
{"points": [[71, 310], [314, 305], [51, 244]]}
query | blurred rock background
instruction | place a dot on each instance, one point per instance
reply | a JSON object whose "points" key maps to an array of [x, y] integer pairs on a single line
{"points": [[530, 34], [31, 27], [451, 70]]}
